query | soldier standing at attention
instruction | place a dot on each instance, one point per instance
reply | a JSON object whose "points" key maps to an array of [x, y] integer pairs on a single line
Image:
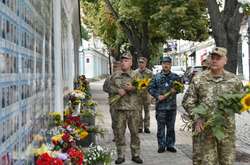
{"points": [[144, 97], [126, 109], [165, 105], [106, 88], [206, 88]]}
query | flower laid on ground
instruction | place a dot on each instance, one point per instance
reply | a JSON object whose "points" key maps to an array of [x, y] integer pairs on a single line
{"points": [[76, 156], [228, 105], [98, 154], [39, 151], [75, 97], [46, 159], [89, 104], [88, 113], [83, 85], [68, 111], [96, 130], [55, 118], [245, 6]]}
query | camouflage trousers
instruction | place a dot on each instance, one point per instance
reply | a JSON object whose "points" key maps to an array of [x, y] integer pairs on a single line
{"points": [[210, 151], [113, 121], [125, 118], [146, 121]]}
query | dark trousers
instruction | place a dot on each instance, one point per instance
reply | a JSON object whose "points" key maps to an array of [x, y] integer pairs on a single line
{"points": [[166, 120]]}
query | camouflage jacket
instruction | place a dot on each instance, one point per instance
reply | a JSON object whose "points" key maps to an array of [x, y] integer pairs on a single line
{"points": [[161, 84], [144, 96], [117, 81], [204, 88]]}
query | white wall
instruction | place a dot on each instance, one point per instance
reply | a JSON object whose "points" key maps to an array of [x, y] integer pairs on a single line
{"points": [[89, 62]]}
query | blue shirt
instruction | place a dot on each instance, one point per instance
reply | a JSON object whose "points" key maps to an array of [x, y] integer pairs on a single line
{"points": [[161, 84]]}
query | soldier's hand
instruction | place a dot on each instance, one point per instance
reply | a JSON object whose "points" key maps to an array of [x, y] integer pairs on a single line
{"points": [[199, 125], [121, 92], [173, 90], [161, 97], [128, 87]]}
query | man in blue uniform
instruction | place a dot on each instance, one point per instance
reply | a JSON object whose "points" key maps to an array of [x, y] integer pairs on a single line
{"points": [[165, 105]]}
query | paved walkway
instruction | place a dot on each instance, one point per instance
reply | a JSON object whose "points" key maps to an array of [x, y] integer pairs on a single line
{"points": [[148, 141]]}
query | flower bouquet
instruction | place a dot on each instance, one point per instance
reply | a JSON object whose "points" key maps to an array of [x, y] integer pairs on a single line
{"points": [[55, 119], [228, 105], [140, 86], [97, 154], [178, 86]]}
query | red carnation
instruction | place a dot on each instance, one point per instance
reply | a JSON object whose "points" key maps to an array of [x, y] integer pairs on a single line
{"points": [[66, 137]]}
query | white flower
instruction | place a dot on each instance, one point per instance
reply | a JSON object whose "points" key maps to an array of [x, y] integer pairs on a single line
{"points": [[240, 10], [99, 148]]}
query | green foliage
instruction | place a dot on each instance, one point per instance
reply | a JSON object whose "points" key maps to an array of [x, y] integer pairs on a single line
{"points": [[84, 33], [146, 24], [228, 105], [102, 23]]}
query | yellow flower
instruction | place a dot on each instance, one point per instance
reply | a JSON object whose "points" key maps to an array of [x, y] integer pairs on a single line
{"points": [[142, 84], [245, 101], [41, 150], [248, 85], [83, 134], [55, 113], [57, 138]]}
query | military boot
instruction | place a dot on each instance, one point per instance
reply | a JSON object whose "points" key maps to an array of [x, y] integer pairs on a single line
{"points": [[119, 160], [146, 130], [137, 159]]}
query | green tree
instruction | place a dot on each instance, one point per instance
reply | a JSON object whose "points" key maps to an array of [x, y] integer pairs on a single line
{"points": [[84, 33], [146, 24]]}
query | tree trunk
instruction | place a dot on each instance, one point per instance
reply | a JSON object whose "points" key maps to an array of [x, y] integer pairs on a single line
{"points": [[139, 38], [226, 27]]}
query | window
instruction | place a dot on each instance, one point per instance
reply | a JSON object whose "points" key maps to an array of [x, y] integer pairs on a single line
{"points": [[87, 60]]}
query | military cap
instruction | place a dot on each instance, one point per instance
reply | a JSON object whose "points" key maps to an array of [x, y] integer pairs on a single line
{"points": [[220, 51], [166, 59], [126, 55], [142, 59]]}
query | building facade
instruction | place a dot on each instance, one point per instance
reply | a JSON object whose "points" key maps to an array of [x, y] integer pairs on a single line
{"points": [[94, 61], [39, 43]]}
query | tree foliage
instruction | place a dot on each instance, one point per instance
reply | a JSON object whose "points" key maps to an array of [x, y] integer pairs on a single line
{"points": [[147, 24], [84, 33]]}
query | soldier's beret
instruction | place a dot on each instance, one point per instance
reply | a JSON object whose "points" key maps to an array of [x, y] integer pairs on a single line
{"points": [[142, 59], [220, 51], [126, 55]]}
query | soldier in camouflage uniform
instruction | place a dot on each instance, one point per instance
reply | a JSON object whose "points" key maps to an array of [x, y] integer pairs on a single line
{"points": [[144, 97], [206, 88], [106, 88], [126, 109]]}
